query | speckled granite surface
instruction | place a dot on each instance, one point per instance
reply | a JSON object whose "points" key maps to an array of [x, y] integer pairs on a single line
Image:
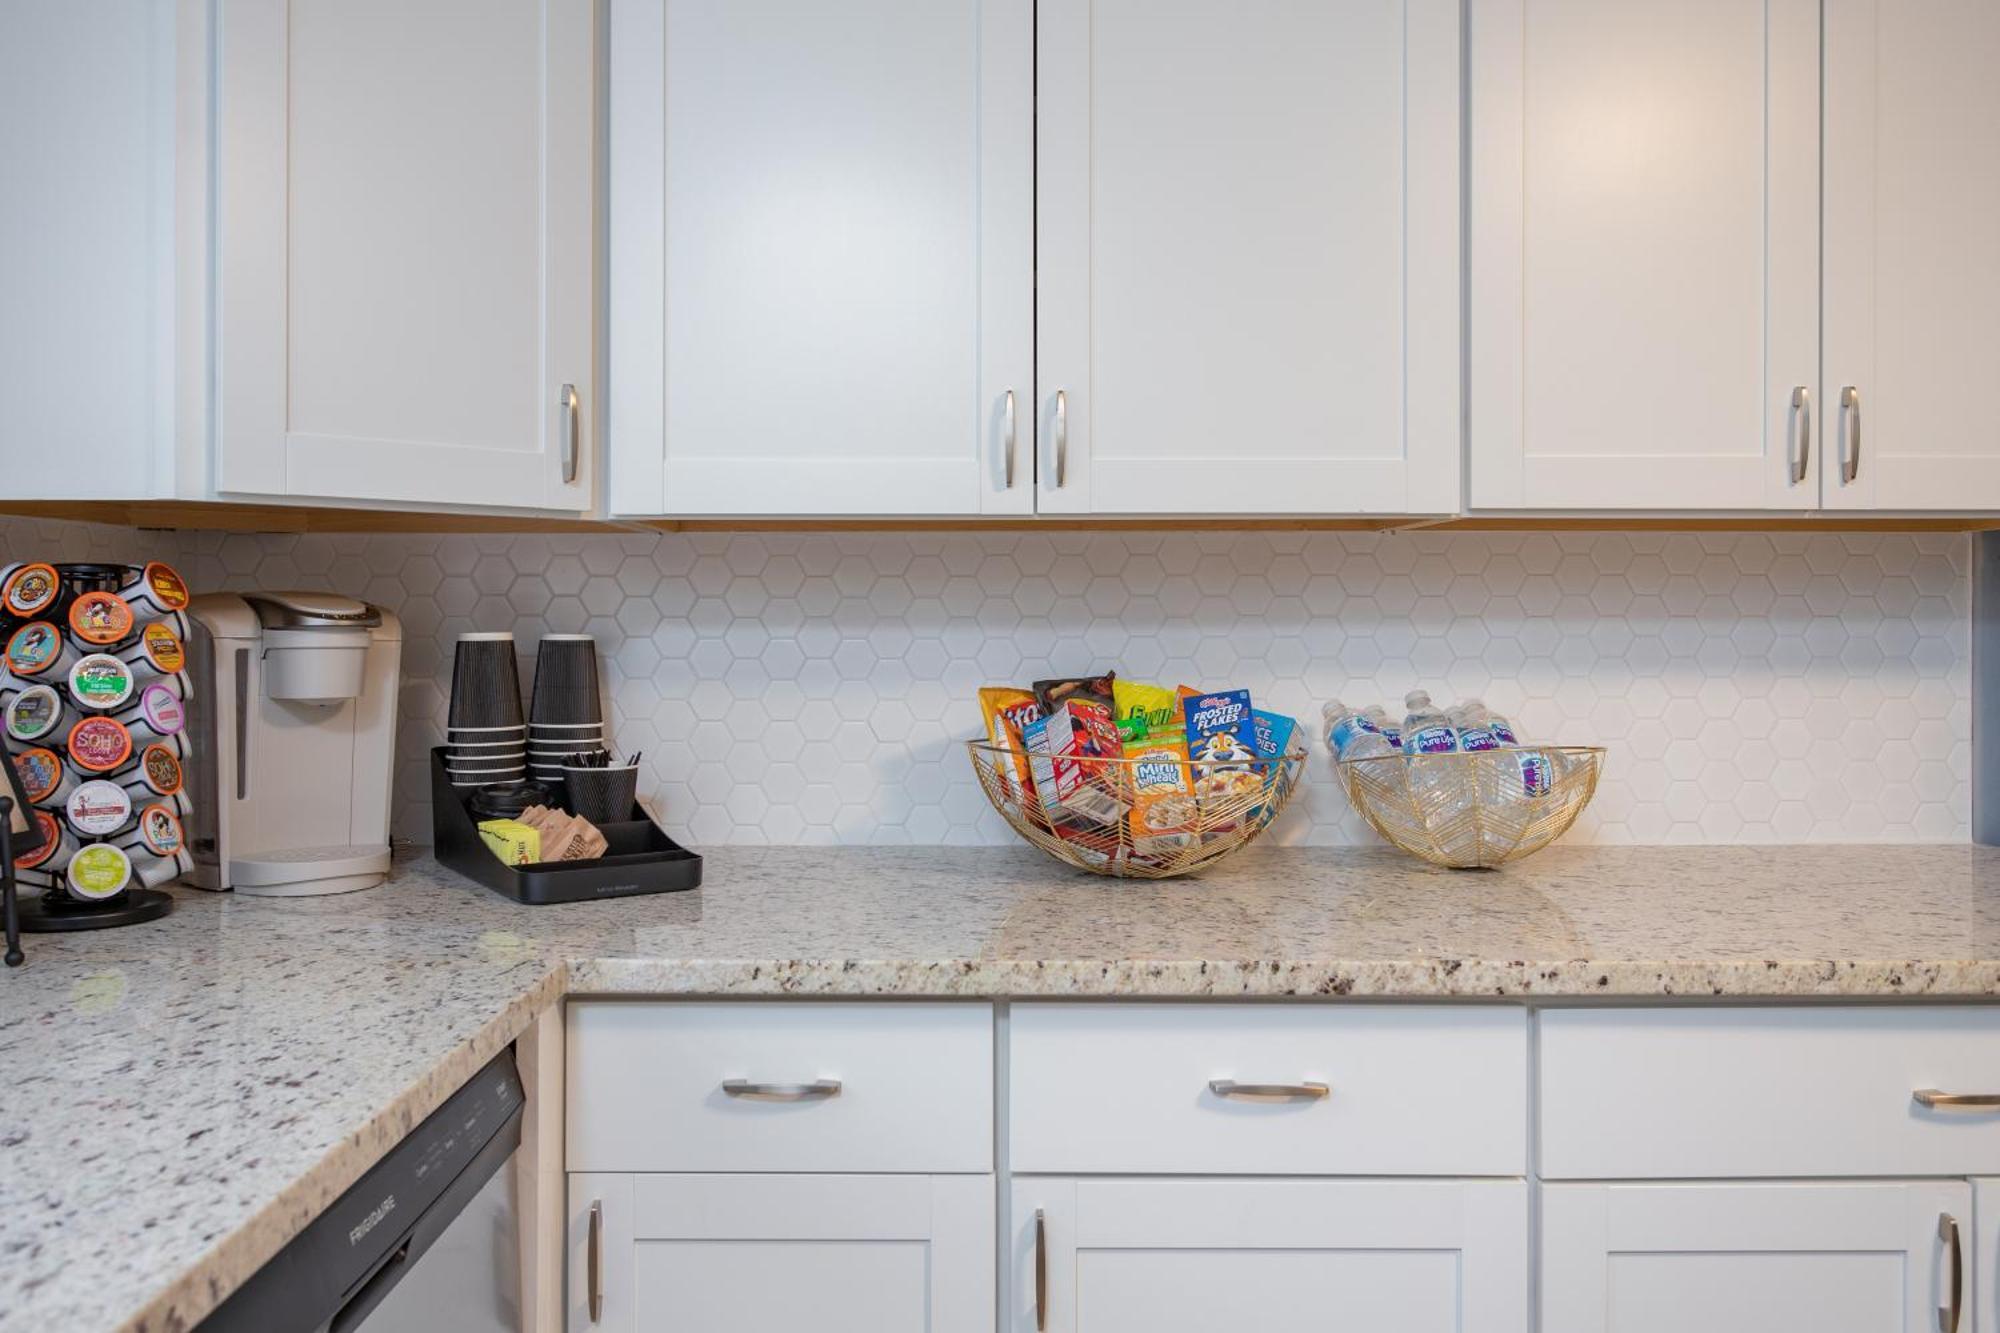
{"points": [[177, 1099]]}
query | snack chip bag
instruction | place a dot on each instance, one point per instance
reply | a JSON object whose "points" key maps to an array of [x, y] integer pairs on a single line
{"points": [[1006, 712], [1053, 694], [1163, 804], [1152, 707]]}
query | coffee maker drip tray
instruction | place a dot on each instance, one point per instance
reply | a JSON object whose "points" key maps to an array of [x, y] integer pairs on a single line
{"points": [[303, 871]]}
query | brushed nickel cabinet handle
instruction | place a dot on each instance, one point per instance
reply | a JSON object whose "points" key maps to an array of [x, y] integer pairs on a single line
{"points": [[1932, 1099], [1850, 449], [1010, 439], [1041, 1272], [1062, 438], [1802, 414], [1268, 1092], [817, 1090], [1948, 1312], [595, 1262], [572, 432]]}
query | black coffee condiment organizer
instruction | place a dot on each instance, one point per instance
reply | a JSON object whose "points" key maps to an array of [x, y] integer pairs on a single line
{"points": [[54, 908], [640, 858]]}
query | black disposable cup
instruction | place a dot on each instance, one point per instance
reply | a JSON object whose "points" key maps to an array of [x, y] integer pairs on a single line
{"points": [[566, 690], [602, 795], [485, 685]]}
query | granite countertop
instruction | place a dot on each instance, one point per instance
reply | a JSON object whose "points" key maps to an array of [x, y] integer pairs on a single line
{"points": [[181, 1098]]}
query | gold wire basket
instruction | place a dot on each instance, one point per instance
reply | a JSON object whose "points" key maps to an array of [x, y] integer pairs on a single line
{"points": [[1224, 808], [1477, 808]]}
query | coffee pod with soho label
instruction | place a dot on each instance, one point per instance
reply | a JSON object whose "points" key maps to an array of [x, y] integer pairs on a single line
{"points": [[45, 779], [99, 744], [158, 774], [100, 619], [35, 714], [100, 682], [98, 872], [158, 715], [158, 833], [158, 651], [158, 590], [36, 651], [98, 809], [27, 589]]}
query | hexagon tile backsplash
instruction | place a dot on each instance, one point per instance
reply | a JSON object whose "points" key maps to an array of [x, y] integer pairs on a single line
{"points": [[813, 687]]}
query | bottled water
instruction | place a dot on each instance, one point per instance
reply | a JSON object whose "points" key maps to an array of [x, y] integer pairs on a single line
{"points": [[1352, 734], [1379, 716], [1502, 729], [1427, 729], [1474, 732]]}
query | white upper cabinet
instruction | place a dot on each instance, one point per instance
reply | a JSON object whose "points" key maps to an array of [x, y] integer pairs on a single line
{"points": [[403, 250], [1249, 259], [1912, 254], [822, 256], [1644, 254]]}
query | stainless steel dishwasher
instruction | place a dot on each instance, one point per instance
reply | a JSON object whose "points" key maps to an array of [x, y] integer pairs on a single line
{"points": [[424, 1243]]}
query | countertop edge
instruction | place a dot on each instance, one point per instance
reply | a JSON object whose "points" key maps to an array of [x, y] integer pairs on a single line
{"points": [[190, 1296]]}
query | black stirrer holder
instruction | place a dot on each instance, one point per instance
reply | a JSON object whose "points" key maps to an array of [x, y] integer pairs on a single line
{"points": [[10, 899]]}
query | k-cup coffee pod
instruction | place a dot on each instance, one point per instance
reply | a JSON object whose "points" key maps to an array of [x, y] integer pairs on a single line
{"points": [[98, 872], [44, 777], [158, 774], [158, 714], [98, 809], [158, 651], [35, 714], [100, 683], [100, 744], [158, 833], [58, 845], [153, 871], [100, 619], [29, 588], [37, 650], [158, 590]]}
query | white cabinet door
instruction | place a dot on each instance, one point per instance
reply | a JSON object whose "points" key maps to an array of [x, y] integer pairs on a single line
{"points": [[1983, 1255], [756, 1253], [822, 256], [1834, 1258], [1912, 254], [1194, 1256], [1248, 256], [403, 250], [1644, 254]]}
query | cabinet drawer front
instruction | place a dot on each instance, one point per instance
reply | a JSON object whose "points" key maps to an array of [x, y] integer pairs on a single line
{"points": [[647, 1087], [1409, 1091], [1679, 1094]]}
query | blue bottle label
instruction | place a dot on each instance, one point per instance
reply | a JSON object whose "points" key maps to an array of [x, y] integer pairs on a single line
{"points": [[1433, 740]]}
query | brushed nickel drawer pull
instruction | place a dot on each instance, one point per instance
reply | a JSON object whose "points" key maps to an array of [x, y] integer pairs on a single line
{"points": [[1802, 414], [1850, 449], [818, 1090], [1062, 438], [1268, 1092], [1041, 1272], [1948, 1312], [572, 432], [1011, 435], [1932, 1099], [595, 1262]]}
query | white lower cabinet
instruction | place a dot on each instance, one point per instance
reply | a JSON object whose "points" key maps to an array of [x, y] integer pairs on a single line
{"points": [[1874, 1257], [755, 1253], [1191, 1256]]}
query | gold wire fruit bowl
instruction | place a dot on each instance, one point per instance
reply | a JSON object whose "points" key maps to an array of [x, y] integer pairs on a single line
{"points": [[1474, 809], [1224, 809]]}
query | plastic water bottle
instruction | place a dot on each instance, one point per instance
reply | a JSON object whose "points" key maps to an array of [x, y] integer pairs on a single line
{"points": [[1351, 734], [1473, 731], [1502, 729], [1427, 729], [1379, 715]]}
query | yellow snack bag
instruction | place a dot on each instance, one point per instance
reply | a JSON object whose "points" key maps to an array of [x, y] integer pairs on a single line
{"points": [[1163, 804], [1005, 711], [1155, 706], [515, 843]]}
